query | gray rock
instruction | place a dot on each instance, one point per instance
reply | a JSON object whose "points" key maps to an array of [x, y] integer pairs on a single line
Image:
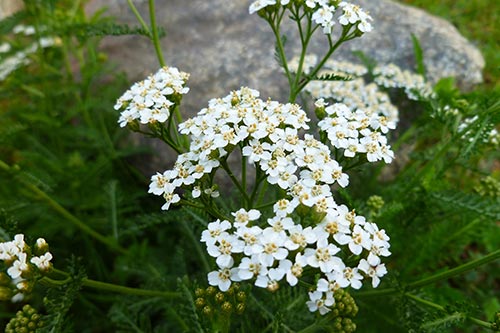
{"points": [[223, 47], [9, 7]]}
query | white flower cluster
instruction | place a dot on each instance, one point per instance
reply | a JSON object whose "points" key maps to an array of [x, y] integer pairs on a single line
{"points": [[282, 249], [149, 101], [491, 137], [11, 62], [267, 133], [414, 85], [357, 132], [26, 30], [345, 68], [324, 12], [353, 14], [17, 264], [355, 93]]}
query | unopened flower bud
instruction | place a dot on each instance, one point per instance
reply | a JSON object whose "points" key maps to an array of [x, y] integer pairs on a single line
{"points": [[235, 100], [41, 247], [199, 302], [211, 290], [227, 307], [375, 202], [240, 308], [207, 310], [26, 320], [219, 297], [337, 324], [496, 321], [199, 292], [24, 286], [273, 286], [230, 291], [320, 108], [241, 296]]}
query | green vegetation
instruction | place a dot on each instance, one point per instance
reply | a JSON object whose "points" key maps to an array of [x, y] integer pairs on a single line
{"points": [[477, 21], [69, 174]]}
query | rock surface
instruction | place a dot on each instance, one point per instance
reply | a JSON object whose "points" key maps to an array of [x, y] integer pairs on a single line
{"points": [[223, 47]]}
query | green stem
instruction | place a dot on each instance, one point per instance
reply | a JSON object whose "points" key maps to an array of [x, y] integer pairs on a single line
{"points": [[64, 213], [425, 302], [482, 323], [456, 271], [127, 290], [304, 41], [244, 177], [235, 181], [190, 204], [109, 287], [259, 177], [315, 71], [154, 36], [197, 245], [139, 17], [280, 48]]}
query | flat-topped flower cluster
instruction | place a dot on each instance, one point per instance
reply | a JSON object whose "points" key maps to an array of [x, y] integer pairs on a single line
{"points": [[13, 57], [19, 265], [248, 246], [150, 101], [323, 12], [357, 132]]}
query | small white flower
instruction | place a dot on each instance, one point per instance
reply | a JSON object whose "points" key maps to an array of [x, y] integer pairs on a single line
{"points": [[214, 231], [349, 277], [223, 277], [250, 268], [19, 266], [170, 198], [259, 4], [320, 302], [323, 256], [242, 217], [358, 240], [375, 272], [299, 237], [42, 262], [271, 247]]}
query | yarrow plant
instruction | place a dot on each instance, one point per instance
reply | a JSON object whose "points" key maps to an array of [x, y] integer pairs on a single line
{"points": [[21, 266], [273, 211], [306, 227]]}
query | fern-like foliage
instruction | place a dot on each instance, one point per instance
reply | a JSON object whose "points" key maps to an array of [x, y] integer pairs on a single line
{"points": [[441, 323], [106, 29], [330, 77], [456, 200], [191, 321], [58, 301]]}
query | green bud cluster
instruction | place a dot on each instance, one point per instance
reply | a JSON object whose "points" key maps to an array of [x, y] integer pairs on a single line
{"points": [[344, 310], [375, 203], [27, 320], [211, 301], [488, 187], [496, 322]]}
